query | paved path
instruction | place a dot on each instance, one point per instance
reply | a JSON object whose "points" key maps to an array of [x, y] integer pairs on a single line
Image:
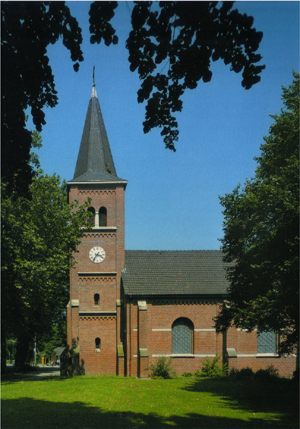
{"points": [[40, 373]]}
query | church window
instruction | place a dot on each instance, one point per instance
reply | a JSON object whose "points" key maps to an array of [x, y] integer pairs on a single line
{"points": [[266, 342], [91, 220], [97, 343], [103, 216], [96, 299], [182, 336]]}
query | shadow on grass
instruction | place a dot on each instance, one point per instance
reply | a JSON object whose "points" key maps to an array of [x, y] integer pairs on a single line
{"points": [[36, 374], [279, 396], [30, 413]]}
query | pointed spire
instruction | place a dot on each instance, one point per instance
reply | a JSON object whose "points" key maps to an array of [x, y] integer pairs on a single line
{"points": [[95, 162]]}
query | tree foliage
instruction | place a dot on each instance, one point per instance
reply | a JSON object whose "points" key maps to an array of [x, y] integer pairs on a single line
{"points": [[171, 45], [39, 236], [27, 80], [261, 234], [172, 49], [56, 337]]}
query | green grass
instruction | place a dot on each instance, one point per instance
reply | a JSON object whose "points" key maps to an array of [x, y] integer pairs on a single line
{"points": [[111, 403]]}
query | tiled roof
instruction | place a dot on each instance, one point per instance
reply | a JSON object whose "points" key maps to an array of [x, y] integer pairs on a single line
{"points": [[194, 272], [95, 162], [59, 350]]}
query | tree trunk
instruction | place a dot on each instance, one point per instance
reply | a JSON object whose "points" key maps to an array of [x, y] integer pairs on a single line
{"points": [[23, 350], [3, 352]]}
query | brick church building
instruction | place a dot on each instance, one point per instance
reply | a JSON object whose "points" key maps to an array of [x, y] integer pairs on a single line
{"points": [[129, 307]]}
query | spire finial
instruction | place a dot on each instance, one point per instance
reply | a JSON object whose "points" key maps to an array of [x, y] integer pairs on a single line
{"points": [[94, 93]]}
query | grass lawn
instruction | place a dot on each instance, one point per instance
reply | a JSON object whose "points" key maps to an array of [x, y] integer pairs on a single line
{"points": [[111, 402]]}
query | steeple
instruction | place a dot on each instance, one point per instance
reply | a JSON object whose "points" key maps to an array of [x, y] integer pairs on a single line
{"points": [[95, 162]]}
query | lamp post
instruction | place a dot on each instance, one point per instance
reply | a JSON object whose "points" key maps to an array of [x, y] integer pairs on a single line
{"points": [[34, 350]]}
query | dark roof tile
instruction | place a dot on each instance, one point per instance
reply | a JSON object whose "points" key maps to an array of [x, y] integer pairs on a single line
{"points": [[191, 272]]}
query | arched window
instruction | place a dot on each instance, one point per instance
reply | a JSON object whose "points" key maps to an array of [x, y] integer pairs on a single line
{"points": [[97, 343], [96, 299], [91, 220], [103, 216], [266, 342], [182, 336]]}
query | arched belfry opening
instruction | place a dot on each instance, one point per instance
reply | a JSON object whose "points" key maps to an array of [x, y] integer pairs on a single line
{"points": [[103, 216], [91, 219]]}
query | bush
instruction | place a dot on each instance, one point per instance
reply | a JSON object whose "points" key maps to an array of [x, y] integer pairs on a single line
{"points": [[162, 368], [270, 373], [187, 374], [241, 374], [212, 368], [69, 362], [296, 376]]}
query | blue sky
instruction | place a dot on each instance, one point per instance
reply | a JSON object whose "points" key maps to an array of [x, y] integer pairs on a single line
{"points": [[172, 199]]}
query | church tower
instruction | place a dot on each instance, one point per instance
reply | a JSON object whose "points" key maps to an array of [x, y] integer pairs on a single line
{"points": [[94, 309]]}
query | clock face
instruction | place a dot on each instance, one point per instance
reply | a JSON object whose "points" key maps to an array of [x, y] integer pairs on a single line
{"points": [[97, 254]]}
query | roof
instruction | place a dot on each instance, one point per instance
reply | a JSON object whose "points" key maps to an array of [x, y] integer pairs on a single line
{"points": [[192, 272], [59, 350], [95, 162]]}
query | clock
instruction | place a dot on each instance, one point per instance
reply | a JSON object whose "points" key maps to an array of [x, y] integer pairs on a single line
{"points": [[97, 254]]}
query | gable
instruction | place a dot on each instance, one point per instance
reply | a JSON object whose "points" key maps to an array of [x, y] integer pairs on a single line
{"points": [[174, 273]]}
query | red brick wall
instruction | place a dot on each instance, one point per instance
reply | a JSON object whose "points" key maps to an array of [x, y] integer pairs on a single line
{"points": [[245, 344], [104, 286], [72, 325], [103, 362], [285, 365], [89, 321], [152, 329]]}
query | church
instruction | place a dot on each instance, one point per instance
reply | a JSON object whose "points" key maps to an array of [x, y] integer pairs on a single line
{"points": [[127, 308]]}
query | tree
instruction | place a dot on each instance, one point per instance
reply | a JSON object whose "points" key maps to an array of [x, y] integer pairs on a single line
{"points": [[181, 38], [39, 236], [27, 80], [56, 337], [261, 235]]}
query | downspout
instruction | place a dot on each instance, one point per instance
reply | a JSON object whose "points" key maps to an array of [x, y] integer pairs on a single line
{"points": [[129, 338]]}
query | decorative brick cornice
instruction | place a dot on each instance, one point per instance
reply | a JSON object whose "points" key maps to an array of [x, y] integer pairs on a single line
{"points": [[98, 235], [96, 192], [97, 277], [103, 317]]}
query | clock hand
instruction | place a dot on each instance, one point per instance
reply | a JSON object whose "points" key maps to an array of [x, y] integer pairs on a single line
{"points": [[97, 255]]}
